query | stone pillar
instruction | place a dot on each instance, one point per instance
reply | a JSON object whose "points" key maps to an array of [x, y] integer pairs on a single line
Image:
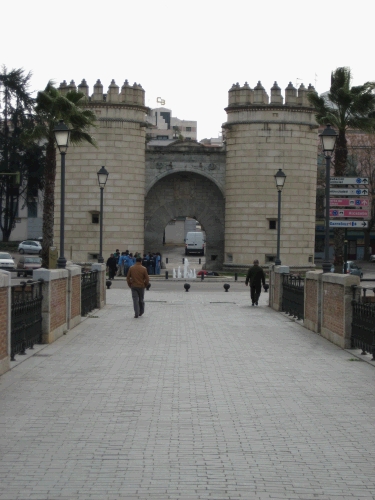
{"points": [[337, 309], [276, 296], [313, 301], [5, 317], [120, 138], [74, 296], [101, 289], [55, 304], [260, 139]]}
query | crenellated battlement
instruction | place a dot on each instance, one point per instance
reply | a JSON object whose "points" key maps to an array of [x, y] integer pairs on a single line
{"points": [[128, 94], [246, 96]]}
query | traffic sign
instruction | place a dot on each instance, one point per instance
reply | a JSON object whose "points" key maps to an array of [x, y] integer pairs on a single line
{"points": [[349, 180], [348, 213], [348, 192], [354, 224], [348, 202]]}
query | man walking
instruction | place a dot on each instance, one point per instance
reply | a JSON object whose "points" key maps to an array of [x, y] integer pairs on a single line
{"points": [[256, 276], [137, 279]]}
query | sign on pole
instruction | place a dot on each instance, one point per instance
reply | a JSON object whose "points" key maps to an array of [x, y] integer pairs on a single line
{"points": [[348, 202], [349, 180], [349, 213], [348, 192], [354, 224]]}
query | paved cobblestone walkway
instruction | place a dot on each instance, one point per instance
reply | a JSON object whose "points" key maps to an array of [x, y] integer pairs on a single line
{"points": [[202, 398]]}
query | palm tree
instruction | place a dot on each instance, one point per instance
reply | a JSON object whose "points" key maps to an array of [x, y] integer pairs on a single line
{"points": [[344, 107], [52, 106]]}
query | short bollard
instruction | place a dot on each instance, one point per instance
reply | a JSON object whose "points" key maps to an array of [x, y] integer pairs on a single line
{"points": [[199, 261], [226, 286], [166, 260], [186, 286], [235, 276], [202, 276], [108, 283], [166, 275], [183, 260]]}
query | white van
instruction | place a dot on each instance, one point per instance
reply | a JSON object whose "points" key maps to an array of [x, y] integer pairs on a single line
{"points": [[194, 243]]}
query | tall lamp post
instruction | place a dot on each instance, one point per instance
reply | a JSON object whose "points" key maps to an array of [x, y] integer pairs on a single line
{"points": [[102, 180], [62, 134], [328, 138], [280, 178]]}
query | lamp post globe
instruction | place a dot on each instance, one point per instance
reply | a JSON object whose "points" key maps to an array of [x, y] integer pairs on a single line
{"points": [[328, 140], [62, 135], [102, 180]]}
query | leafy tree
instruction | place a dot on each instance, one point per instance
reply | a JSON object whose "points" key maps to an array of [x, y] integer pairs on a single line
{"points": [[52, 106], [344, 107], [20, 160]]}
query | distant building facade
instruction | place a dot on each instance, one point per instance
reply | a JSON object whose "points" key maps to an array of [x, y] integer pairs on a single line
{"points": [[164, 126]]}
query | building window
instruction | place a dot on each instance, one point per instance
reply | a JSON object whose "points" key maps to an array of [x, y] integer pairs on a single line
{"points": [[95, 218], [272, 224], [32, 209], [162, 137], [188, 129]]}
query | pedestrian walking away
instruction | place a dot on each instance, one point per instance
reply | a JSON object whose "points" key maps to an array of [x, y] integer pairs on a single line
{"points": [[111, 266], [255, 275], [138, 279]]}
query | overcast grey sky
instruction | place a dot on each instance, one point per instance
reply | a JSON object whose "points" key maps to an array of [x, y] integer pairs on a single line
{"points": [[189, 53]]}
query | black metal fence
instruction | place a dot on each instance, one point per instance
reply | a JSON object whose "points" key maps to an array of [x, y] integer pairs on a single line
{"points": [[89, 297], [26, 316], [293, 295], [363, 321]]}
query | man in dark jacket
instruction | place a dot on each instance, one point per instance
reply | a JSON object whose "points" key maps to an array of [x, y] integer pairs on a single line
{"points": [[257, 278], [112, 267]]}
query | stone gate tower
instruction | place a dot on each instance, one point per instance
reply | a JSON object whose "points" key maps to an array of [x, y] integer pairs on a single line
{"points": [[120, 137], [262, 136]]}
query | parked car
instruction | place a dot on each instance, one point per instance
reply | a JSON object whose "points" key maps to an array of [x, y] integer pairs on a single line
{"points": [[351, 268], [6, 261], [29, 246], [372, 258], [26, 265]]}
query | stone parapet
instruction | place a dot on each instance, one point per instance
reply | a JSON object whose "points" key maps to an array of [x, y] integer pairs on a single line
{"points": [[276, 284], [101, 287], [54, 304], [336, 308], [5, 316], [312, 300]]}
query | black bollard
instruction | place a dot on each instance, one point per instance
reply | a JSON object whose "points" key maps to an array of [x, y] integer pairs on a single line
{"points": [[183, 260], [166, 260], [202, 276], [226, 286], [166, 275], [186, 286], [199, 261], [235, 276]]}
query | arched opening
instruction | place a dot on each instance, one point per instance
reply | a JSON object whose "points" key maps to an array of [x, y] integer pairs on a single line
{"points": [[192, 196]]}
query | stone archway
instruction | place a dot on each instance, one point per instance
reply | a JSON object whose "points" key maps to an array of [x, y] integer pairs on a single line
{"points": [[192, 195]]}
